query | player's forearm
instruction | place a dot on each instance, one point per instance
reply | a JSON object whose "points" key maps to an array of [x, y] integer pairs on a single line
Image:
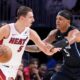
{"points": [[32, 48], [61, 44], [73, 36], [78, 37], [65, 42], [71, 40]]}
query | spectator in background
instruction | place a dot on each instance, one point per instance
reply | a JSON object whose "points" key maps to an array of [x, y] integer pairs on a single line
{"points": [[55, 70], [31, 70], [51, 72], [51, 63], [43, 71]]}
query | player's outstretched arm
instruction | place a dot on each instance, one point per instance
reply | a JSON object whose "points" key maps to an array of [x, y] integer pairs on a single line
{"points": [[42, 46], [68, 40], [49, 39], [32, 48]]}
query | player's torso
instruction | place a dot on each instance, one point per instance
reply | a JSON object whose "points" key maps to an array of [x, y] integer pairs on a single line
{"points": [[71, 53], [17, 42]]}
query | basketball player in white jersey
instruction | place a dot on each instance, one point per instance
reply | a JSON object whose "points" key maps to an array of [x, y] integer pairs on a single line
{"points": [[16, 36]]}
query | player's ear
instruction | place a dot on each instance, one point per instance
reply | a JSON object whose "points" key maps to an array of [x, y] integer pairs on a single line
{"points": [[22, 17]]}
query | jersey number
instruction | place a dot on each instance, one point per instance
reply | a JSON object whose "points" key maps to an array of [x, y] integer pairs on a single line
{"points": [[20, 48]]}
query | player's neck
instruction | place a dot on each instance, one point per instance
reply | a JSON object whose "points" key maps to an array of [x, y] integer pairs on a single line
{"points": [[65, 29], [19, 27]]}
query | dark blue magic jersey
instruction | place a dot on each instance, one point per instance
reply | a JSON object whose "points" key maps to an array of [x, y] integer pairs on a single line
{"points": [[71, 53]]}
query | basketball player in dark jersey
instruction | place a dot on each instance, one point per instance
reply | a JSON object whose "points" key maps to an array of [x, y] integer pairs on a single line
{"points": [[65, 36]]}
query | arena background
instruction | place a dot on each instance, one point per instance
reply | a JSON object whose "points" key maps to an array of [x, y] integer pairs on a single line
{"points": [[45, 13]]}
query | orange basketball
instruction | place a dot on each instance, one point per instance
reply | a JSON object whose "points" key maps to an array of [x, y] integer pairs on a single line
{"points": [[5, 53]]}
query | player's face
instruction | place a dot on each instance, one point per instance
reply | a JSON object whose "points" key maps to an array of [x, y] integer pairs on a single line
{"points": [[29, 19], [61, 22]]}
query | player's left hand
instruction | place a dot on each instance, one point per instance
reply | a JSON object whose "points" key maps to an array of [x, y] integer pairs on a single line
{"points": [[52, 49], [55, 50]]}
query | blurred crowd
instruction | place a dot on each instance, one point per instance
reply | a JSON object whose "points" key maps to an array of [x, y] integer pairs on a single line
{"points": [[36, 71]]}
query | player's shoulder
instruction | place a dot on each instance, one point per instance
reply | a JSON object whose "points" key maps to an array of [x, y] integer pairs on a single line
{"points": [[5, 27], [32, 31], [74, 30], [5, 30], [33, 34], [54, 31]]}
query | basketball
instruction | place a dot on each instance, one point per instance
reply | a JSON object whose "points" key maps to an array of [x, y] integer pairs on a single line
{"points": [[5, 54]]}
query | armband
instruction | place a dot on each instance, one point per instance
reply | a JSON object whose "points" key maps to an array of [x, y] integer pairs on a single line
{"points": [[61, 44]]}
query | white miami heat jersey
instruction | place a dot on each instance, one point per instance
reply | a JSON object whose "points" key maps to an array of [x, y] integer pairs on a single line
{"points": [[17, 42]]}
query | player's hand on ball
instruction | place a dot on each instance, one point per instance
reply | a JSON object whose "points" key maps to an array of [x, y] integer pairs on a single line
{"points": [[5, 53]]}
